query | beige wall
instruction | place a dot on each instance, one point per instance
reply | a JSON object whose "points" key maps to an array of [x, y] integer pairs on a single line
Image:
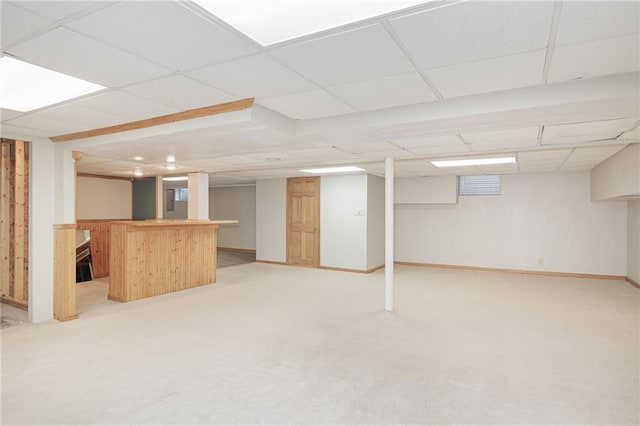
{"points": [[426, 190], [271, 220], [239, 203], [375, 221], [103, 198], [543, 222], [633, 240]]}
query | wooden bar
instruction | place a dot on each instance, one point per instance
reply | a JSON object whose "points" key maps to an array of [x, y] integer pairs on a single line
{"points": [[64, 285], [19, 225], [5, 206], [154, 257]]}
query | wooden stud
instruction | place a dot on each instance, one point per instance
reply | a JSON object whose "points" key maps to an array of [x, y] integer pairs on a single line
{"points": [[4, 221], [156, 121], [19, 225]]}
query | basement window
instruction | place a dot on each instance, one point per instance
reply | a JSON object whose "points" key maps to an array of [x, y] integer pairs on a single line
{"points": [[479, 185], [182, 194]]}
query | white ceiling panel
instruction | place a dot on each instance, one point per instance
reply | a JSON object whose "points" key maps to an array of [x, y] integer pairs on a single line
{"points": [[17, 23], [125, 106], [256, 76], [499, 169], [328, 153], [429, 142], [171, 35], [489, 75], [631, 136], [82, 118], [385, 92], [589, 157], [73, 54], [602, 57], [503, 146], [57, 9], [582, 21], [542, 161], [381, 155], [361, 54], [417, 168], [304, 105], [470, 31], [438, 151], [7, 114], [583, 132], [528, 135], [47, 125], [361, 148], [179, 92]]}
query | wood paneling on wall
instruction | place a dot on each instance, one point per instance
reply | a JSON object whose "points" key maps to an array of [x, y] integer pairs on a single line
{"points": [[64, 273], [14, 222], [100, 241]]}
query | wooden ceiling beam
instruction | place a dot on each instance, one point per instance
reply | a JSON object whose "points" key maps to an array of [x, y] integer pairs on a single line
{"points": [[156, 121]]}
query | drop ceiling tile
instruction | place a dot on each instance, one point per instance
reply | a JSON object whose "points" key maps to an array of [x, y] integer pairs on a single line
{"points": [[542, 160], [57, 10], [173, 36], [470, 31], [256, 76], [385, 92], [46, 125], [582, 21], [179, 92], [381, 155], [503, 146], [304, 105], [18, 23], [596, 58], [428, 142], [489, 75], [522, 134], [499, 169], [417, 168], [8, 114], [356, 55], [73, 54], [362, 148], [631, 136], [584, 132], [324, 154], [589, 157], [435, 151], [125, 106]]}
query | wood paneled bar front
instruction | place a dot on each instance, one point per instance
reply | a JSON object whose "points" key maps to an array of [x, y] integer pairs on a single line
{"points": [[153, 257]]}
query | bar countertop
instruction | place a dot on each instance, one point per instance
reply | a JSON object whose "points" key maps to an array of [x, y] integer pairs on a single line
{"points": [[172, 222]]}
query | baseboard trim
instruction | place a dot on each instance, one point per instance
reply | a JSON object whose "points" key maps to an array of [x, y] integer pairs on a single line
{"points": [[271, 262], [11, 302], [115, 299], [359, 271], [514, 271], [632, 282], [237, 250], [67, 318]]}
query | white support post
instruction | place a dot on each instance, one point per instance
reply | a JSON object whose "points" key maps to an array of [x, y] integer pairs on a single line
{"points": [[159, 197], [388, 234], [198, 204]]}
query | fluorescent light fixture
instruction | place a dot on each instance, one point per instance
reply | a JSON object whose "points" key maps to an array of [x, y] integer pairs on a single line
{"points": [[274, 21], [333, 170], [138, 173], [138, 158], [25, 87], [474, 162], [175, 178], [171, 158]]}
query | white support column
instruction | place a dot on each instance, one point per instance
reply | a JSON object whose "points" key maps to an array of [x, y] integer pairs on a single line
{"points": [[388, 234], [159, 197], [198, 204], [65, 182]]}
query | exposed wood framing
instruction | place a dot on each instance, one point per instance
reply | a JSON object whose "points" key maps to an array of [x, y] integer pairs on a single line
{"points": [[5, 206], [156, 121]]}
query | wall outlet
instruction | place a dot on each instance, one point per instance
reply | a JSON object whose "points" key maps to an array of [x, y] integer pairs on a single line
{"points": [[361, 212]]}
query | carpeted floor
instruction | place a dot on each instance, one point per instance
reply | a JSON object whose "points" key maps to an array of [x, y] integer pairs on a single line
{"points": [[277, 344]]}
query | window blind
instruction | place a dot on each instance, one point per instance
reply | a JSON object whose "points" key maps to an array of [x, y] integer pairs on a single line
{"points": [[479, 185]]}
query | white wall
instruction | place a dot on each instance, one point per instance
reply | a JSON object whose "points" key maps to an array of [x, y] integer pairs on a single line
{"points": [[633, 240], [103, 198], [426, 190], [542, 222], [619, 176], [236, 202], [375, 221], [271, 220], [343, 221]]}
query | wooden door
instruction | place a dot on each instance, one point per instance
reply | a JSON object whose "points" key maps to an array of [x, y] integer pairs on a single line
{"points": [[303, 221]]}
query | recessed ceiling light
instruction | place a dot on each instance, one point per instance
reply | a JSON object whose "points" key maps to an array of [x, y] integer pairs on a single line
{"points": [[270, 22], [333, 170], [474, 162], [138, 173], [175, 178], [171, 159], [171, 166], [138, 158], [26, 87]]}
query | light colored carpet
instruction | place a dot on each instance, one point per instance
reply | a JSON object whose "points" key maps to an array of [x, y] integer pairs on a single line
{"points": [[278, 344]]}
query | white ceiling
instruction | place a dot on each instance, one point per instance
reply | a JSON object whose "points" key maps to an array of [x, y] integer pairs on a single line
{"points": [[556, 83]]}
